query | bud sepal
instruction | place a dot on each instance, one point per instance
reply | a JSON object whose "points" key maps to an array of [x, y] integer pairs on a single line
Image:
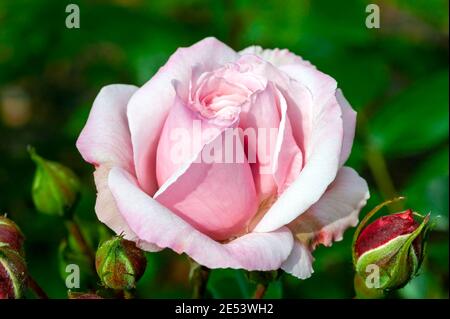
{"points": [[10, 235], [13, 274], [120, 263]]}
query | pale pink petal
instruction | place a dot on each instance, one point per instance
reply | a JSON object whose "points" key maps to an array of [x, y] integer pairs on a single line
{"points": [[349, 123], [288, 158], [321, 149], [299, 262], [156, 224], [106, 138], [183, 137], [216, 197], [105, 142], [277, 57], [148, 108], [279, 159], [260, 124], [107, 211], [338, 209], [309, 93]]}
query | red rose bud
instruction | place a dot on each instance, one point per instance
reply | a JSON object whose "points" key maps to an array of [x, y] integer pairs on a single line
{"points": [[10, 235], [13, 274], [385, 229], [55, 187], [120, 264], [392, 246]]}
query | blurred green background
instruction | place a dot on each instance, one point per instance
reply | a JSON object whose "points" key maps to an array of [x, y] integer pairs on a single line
{"points": [[396, 77]]}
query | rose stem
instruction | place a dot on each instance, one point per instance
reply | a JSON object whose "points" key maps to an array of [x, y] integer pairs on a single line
{"points": [[127, 294], [199, 277], [378, 167], [75, 231], [33, 285], [260, 291], [377, 163]]}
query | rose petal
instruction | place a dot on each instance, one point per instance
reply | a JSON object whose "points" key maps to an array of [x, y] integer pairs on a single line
{"points": [[263, 119], [322, 149], [149, 107], [106, 138], [338, 209], [277, 57], [105, 142], [299, 262], [182, 139], [107, 211], [349, 123], [216, 197], [155, 223], [288, 158]]}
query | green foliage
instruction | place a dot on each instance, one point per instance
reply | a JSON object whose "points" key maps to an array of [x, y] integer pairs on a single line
{"points": [[416, 120]]}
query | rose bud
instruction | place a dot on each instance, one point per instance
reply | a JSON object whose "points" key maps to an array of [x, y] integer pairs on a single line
{"points": [[392, 247], [13, 274], [55, 187], [119, 263], [11, 235]]}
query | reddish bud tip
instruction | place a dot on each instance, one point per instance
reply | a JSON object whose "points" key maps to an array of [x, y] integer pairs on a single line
{"points": [[10, 234], [385, 229]]}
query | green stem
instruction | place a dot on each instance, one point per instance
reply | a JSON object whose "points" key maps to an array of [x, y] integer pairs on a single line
{"points": [[74, 229], [380, 172], [199, 276], [127, 294], [377, 163], [260, 291], [34, 286], [364, 292]]}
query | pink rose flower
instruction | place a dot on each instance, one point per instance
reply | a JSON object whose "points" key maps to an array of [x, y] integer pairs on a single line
{"points": [[287, 192]]}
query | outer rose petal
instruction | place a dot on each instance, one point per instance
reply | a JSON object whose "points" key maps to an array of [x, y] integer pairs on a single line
{"points": [[299, 262], [149, 107], [338, 209], [108, 213], [277, 57], [105, 142], [155, 223], [326, 220], [349, 123], [106, 138]]}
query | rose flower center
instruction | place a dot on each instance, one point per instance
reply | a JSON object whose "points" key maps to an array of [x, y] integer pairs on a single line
{"points": [[219, 95]]}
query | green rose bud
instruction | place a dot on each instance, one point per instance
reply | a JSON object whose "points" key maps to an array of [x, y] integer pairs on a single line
{"points": [[119, 263], [10, 235], [388, 253], [13, 274], [55, 187]]}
